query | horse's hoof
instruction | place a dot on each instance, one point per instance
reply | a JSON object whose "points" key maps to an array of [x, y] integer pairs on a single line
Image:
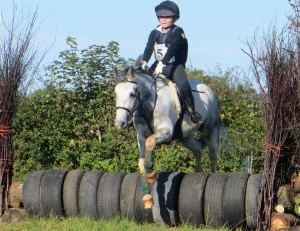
{"points": [[151, 177], [148, 201]]}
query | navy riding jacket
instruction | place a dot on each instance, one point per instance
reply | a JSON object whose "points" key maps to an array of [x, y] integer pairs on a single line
{"points": [[174, 39]]}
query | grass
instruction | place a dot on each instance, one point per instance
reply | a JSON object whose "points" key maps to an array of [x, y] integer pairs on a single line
{"points": [[87, 224]]}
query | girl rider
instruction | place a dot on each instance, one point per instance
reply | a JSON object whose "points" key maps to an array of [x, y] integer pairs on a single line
{"points": [[171, 49]]}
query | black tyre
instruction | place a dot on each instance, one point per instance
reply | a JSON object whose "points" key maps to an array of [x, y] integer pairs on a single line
{"points": [[88, 193], [52, 193], [127, 195], [71, 192], [234, 200], [165, 195], [108, 195], [142, 215], [213, 199], [252, 199], [191, 198], [31, 193]]}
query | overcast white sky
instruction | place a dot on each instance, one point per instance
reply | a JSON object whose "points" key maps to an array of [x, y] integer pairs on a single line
{"points": [[216, 30]]}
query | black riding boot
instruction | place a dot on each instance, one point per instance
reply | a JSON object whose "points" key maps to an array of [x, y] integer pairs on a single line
{"points": [[195, 116]]}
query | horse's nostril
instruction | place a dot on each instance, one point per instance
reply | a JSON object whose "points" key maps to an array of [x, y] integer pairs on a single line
{"points": [[120, 124]]}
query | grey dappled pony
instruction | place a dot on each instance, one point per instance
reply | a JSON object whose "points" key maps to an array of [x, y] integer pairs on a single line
{"points": [[153, 107]]}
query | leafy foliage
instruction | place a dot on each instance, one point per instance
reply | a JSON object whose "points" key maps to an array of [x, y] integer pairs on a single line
{"points": [[70, 122]]}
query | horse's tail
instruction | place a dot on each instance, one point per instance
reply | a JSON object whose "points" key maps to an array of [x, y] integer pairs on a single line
{"points": [[224, 139]]}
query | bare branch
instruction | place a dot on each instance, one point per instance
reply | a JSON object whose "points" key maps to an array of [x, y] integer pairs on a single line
{"points": [[19, 63]]}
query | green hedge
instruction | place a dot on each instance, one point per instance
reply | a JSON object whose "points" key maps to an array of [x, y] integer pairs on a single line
{"points": [[69, 123]]}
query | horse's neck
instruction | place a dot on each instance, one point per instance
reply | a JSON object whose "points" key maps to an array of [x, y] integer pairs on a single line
{"points": [[145, 85], [152, 90], [148, 84]]}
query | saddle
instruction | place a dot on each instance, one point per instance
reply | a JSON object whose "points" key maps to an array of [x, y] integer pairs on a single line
{"points": [[175, 92], [179, 104]]}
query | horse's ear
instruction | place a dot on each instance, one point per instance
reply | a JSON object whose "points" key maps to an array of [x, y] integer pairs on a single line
{"points": [[131, 73]]}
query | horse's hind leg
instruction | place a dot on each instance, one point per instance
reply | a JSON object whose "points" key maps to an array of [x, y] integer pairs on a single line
{"points": [[195, 146], [211, 137]]}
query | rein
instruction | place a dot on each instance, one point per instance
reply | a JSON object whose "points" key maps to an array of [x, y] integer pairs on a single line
{"points": [[149, 92], [147, 95]]}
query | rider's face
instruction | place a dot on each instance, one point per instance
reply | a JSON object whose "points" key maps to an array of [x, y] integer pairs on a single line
{"points": [[166, 22]]}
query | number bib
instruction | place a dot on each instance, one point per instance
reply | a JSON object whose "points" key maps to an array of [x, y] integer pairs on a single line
{"points": [[160, 50]]}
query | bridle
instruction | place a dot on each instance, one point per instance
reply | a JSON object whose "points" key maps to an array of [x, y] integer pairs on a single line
{"points": [[138, 103], [135, 106]]}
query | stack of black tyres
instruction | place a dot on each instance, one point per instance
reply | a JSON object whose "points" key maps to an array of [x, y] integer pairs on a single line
{"points": [[220, 199], [96, 194], [213, 200]]}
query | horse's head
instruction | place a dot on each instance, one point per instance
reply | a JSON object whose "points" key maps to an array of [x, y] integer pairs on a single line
{"points": [[126, 96]]}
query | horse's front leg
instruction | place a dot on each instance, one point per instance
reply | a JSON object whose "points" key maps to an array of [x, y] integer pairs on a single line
{"points": [[149, 175]]}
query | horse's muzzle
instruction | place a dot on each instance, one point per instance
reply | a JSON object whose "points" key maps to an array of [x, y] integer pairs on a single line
{"points": [[123, 124], [120, 124]]}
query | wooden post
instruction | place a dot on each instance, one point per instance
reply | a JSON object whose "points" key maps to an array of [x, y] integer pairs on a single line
{"points": [[283, 221], [15, 195]]}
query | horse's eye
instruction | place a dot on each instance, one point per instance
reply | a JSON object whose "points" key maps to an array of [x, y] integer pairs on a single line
{"points": [[132, 95]]}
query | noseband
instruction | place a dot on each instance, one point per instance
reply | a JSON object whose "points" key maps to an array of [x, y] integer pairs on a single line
{"points": [[130, 111]]}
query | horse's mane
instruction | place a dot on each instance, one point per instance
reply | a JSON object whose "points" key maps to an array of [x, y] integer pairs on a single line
{"points": [[127, 72], [121, 75], [138, 67], [137, 64]]}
